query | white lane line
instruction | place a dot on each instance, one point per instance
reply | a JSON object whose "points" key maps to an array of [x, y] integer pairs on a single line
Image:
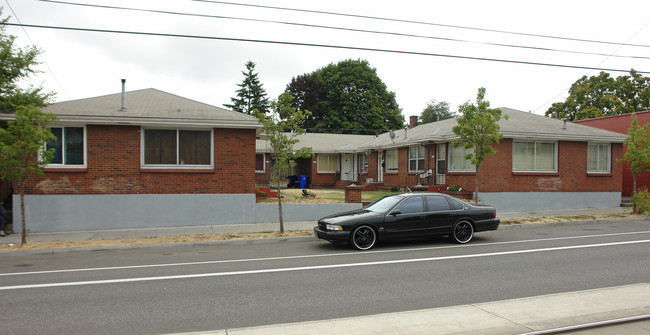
{"points": [[315, 267], [356, 253]]}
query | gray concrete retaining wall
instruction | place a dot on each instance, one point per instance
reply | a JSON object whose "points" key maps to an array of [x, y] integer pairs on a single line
{"points": [[61, 212]]}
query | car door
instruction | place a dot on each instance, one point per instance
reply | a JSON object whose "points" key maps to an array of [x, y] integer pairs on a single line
{"points": [[440, 217], [406, 219]]}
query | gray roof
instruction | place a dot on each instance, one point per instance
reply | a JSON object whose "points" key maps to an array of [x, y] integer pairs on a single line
{"points": [[519, 125], [323, 143], [149, 107]]}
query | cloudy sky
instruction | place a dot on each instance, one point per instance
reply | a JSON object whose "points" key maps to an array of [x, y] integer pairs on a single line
{"points": [[422, 50]]}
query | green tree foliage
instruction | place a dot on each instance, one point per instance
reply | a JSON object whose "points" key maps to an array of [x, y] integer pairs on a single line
{"points": [[637, 149], [250, 95], [602, 95], [436, 111], [21, 150], [281, 126], [17, 64], [347, 97], [309, 95], [477, 129]]}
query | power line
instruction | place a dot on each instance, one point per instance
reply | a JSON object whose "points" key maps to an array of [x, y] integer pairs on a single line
{"points": [[41, 56], [321, 46], [425, 23], [341, 28]]}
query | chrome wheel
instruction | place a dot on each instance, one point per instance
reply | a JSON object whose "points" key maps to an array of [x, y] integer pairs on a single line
{"points": [[463, 232], [363, 237]]}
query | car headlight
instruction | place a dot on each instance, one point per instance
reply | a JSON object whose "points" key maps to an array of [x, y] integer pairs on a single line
{"points": [[333, 227]]}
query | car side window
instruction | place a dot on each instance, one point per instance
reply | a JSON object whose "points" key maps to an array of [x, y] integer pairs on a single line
{"points": [[455, 204], [411, 205], [437, 203]]}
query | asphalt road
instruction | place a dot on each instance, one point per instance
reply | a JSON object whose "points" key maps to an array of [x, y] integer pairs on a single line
{"points": [[171, 290]]}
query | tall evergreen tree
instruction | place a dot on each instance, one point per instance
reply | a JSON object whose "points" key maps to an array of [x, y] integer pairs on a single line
{"points": [[250, 95]]}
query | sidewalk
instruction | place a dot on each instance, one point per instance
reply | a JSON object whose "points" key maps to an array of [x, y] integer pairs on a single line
{"points": [[533, 315], [261, 227]]}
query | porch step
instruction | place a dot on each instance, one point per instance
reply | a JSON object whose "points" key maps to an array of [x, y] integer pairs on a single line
{"points": [[267, 191], [626, 202]]}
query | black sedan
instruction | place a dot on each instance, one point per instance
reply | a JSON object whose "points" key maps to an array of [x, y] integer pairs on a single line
{"points": [[407, 216]]}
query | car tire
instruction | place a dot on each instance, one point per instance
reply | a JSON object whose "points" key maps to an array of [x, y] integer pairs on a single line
{"points": [[463, 232], [363, 237]]}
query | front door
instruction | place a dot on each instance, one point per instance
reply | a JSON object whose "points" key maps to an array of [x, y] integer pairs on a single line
{"points": [[347, 167]]}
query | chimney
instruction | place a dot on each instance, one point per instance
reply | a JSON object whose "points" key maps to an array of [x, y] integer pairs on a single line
{"points": [[123, 95], [413, 121]]}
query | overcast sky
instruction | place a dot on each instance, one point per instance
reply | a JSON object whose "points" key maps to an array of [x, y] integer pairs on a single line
{"points": [[435, 61]]}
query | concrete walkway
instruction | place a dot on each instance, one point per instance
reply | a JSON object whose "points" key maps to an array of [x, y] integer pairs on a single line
{"points": [[517, 316]]}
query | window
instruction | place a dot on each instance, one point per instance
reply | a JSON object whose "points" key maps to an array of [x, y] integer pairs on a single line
{"points": [[411, 205], [598, 157], [69, 146], [328, 163], [534, 156], [416, 158], [176, 147], [363, 163], [437, 203], [457, 160], [260, 163], [391, 160]]}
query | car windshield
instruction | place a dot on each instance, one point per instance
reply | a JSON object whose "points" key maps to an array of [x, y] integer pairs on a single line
{"points": [[383, 205]]}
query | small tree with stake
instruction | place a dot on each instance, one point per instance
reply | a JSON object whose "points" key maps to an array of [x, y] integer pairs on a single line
{"points": [[22, 155], [637, 155], [477, 129], [281, 127]]}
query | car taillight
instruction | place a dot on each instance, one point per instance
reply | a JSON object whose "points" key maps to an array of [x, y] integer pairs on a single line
{"points": [[494, 213]]}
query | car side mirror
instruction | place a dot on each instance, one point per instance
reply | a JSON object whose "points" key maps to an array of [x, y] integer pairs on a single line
{"points": [[395, 212]]}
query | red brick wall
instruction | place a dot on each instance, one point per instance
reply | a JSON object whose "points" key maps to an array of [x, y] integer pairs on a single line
{"points": [[113, 167], [322, 179], [496, 172]]}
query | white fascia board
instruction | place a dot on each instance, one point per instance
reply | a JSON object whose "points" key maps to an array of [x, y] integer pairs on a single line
{"points": [[567, 137]]}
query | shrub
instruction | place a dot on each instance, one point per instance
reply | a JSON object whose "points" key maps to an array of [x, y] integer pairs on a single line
{"points": [[641, 201], [454, 188]]}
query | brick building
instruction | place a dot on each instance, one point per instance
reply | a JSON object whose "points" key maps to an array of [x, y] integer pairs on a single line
{"points": [[620, 124], [144, 158], [541, 163]]}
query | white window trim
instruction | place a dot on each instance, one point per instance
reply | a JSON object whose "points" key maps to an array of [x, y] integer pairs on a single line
{"points": [[449, 162], [85, 150], [555, 159], [609, 159], [318, 168], [417, 158], [176, 166], [396, 151]]}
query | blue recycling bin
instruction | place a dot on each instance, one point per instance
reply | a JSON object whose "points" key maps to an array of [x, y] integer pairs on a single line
{"points": [[303, 181]]}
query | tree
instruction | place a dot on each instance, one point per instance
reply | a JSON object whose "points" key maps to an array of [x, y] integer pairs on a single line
{"points": [[602, 95], [309, 95], [477, 129], [637, 149], [281, 127], [21, 150], [17, 64], [250, 95], [353, 99], [436, 111]]}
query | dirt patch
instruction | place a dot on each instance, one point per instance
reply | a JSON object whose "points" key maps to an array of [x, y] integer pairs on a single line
{"points": [[149, 240]]}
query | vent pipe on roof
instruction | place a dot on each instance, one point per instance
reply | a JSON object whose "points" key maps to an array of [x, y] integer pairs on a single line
{"points": [[564, 126], [123, 95]]}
